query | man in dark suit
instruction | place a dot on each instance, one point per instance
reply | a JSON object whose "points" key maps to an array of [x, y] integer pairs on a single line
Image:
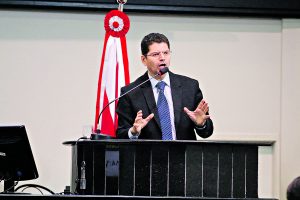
{"points": [[149, 111]]}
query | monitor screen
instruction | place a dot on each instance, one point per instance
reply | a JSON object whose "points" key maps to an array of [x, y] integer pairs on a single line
{"points": [[16, 158]]}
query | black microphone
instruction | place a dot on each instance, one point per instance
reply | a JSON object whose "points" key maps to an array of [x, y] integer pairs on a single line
{"points": [[161, 72], [82, 180]]}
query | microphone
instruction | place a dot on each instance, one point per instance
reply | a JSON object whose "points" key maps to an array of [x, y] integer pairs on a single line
{"points": [[82, 180], [161, 72]]}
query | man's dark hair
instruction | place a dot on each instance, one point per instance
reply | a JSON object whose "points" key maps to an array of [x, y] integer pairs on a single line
{"points": [[293, 190], [153, 38]]}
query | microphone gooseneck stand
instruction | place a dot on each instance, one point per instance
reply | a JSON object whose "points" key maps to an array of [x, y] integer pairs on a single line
{"points": [[98, 135]]}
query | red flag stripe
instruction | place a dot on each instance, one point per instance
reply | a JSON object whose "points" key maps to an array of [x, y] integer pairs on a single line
{"points": [[114, 74], [99, 82], [125, 60]]}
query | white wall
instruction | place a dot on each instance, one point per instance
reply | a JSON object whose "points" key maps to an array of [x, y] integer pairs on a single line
{"points": [[290, 129], [49, 65]]}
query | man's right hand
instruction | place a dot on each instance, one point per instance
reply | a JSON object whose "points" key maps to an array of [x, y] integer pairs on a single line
{"points": [[140, 123]]}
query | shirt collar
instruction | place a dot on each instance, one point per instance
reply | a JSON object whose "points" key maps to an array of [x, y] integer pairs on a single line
{"points": [[166, 79]]}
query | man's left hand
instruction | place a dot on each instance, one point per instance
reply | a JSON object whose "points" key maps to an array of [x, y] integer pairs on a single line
{"points": [[198, 116]]}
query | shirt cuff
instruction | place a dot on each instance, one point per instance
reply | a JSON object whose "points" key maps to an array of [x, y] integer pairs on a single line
{"points": [[201, 127], [133, 136]]}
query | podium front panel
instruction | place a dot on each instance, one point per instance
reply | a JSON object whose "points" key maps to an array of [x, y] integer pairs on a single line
{"points": [[177, 170], [159, 176], [166, 168], [210, 171], [194, 171], [142, 170], [225, 171], [126, 180]]}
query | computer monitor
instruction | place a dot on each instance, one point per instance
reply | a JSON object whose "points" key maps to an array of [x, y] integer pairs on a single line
{"points": [[16, 158]]}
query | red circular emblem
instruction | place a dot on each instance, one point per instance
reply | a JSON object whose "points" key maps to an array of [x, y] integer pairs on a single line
{"points": [[116, 23]]}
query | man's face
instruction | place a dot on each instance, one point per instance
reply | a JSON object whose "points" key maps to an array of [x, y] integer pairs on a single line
{"points": [[157, 58]]}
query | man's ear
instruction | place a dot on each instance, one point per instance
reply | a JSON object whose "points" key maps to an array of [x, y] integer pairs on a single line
{"points": [[143, 59]]}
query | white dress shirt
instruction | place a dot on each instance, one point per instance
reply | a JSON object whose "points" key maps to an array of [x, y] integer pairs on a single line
{"points": [[168, 94]]}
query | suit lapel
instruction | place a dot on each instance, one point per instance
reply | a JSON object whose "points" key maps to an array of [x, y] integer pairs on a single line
{"points": [[150, 100], [176, 97]]}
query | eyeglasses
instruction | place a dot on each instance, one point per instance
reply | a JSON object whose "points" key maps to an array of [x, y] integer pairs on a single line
{"points": [[157, 54]]}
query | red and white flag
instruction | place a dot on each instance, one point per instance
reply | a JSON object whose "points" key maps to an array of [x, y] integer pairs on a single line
{"points": [[114, 71]]}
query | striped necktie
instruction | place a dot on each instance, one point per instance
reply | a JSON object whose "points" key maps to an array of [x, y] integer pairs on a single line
{"points": [[164, 112]]}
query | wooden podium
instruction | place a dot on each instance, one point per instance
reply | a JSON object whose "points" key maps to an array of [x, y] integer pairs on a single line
{"points": [[213, 169]]}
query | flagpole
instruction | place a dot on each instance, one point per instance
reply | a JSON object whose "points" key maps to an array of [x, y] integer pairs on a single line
{"points": [[121, 3]]}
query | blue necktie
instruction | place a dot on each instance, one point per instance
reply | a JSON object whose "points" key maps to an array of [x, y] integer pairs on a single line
{"points": [[164, 112]]}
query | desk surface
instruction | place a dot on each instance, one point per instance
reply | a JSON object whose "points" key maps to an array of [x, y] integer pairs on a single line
{"points": [[127, 141], [96, 197]]}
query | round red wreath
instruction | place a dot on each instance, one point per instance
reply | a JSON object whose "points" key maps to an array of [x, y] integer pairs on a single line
{"points": [[116, 23]]}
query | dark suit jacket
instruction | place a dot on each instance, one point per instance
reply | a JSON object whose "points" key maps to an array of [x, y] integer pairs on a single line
{"points": [[185, 93]]}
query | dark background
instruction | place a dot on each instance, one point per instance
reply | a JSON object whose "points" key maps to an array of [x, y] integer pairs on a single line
{"points": [[255, 8]]}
